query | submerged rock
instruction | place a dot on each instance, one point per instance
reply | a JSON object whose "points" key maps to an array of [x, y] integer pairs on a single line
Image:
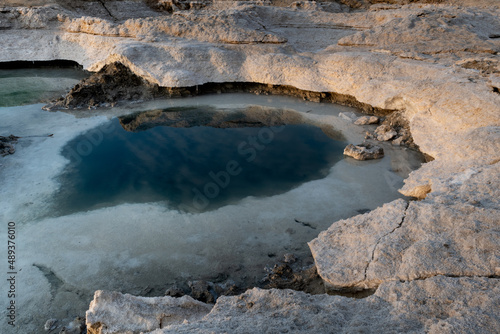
{"points": [[50, 324], [364, 151], [174, 291], [77, 326], [6, 145], [348, 116]]}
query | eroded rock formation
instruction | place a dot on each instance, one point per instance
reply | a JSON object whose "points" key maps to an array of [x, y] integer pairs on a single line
{"points": [[114, 82], [436, 305], [434, 262]]}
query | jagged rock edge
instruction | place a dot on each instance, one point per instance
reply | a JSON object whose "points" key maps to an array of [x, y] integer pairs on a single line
{"points": [[258, 88]]}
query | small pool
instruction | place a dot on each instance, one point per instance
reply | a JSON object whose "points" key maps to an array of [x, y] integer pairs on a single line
{"points": [[190, 168], [140, 197]]}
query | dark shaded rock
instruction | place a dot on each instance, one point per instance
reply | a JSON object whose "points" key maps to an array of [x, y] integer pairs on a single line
{"points": [[364, 151], [113, 83], [202, 291], [289, 258], [228, 288], [283, 271], [176, 5], [398, 123], [283, 276], [6, 145], [174, 291]]}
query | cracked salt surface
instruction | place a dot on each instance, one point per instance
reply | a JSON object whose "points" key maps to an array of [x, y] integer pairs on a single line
{"points": [[129, 247]]}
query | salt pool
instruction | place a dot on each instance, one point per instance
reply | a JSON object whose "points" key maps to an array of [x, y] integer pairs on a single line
{"points": [[108, 217]]}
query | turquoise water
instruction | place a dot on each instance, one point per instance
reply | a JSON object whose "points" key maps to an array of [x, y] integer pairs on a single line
{"points": [[34, 85], [192, 169]]}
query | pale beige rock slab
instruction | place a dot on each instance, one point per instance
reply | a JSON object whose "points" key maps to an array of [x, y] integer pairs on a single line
{"points": [[364, 120], [436, 305], [414, 31], [455, 232], [344, 251], [113, 312]]}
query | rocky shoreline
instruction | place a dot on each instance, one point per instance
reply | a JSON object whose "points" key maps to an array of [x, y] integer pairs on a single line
{"points": [[433, 262]]}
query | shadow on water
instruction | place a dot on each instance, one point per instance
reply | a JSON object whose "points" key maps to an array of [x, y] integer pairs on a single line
{"points": [[190, 166]]}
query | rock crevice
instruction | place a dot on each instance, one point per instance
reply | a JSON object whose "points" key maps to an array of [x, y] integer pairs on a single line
{"points": [[384, 236]]}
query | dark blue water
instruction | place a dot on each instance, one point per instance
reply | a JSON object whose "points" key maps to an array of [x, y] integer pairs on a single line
{"points": [[192, 169]]}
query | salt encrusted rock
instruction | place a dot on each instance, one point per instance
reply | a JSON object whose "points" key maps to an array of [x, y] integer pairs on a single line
{"points": [[348, 116], [114, 313], [77, 326], [454, 232], [365, 120], [364, 151], [343, 252], [385, 133], [50, 324], [407, 33], [435, 305]]}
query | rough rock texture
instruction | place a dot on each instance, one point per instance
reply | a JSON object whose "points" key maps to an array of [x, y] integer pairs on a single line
{"points": [[294, 273], [385, 133], [364, 151], [436, 305], [364, 120], [7, 145], [114, 82], [113, 312], [436, 62], [453, 232]]}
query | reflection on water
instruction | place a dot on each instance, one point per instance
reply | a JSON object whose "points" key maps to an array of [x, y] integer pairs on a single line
{"points": [[193, 169]]}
